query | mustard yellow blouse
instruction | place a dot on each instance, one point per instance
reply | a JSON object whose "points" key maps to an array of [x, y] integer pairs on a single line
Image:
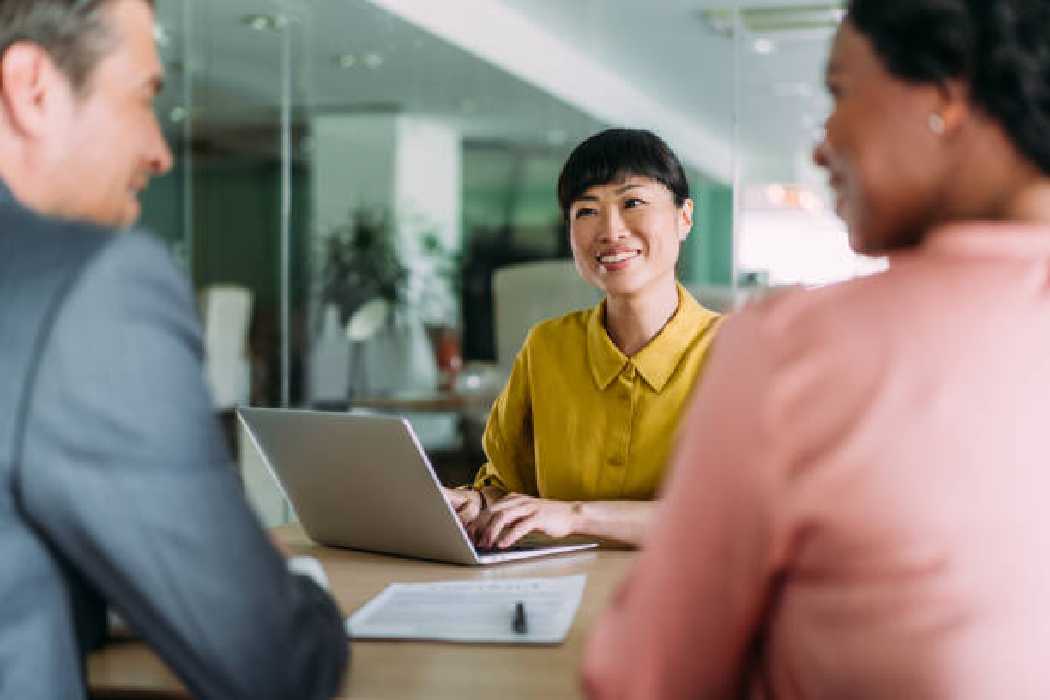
{"points": [[579, 420]]}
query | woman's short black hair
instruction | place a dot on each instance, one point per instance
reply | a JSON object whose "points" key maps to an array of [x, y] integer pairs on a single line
{"points": [[616, 154], [1000, 48]]}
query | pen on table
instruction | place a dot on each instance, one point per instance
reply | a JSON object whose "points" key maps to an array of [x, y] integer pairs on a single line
{"points": [[520, 625]]}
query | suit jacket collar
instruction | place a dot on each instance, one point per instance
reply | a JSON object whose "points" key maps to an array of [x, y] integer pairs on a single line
{"points": [[6, 196]]}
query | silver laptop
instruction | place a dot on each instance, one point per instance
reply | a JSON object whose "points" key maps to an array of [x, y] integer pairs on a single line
{"points": [[363, 481]]}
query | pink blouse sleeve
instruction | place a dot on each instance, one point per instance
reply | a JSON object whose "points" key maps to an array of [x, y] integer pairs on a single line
{"points": [[683, 623]]}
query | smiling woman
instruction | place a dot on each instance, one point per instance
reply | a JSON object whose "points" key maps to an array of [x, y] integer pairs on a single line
{"points": [[578, 440]]}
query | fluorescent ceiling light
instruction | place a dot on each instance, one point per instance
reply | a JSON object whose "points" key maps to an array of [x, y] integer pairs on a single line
{"points": [[773, 19], [265, 23], [764, 46]]}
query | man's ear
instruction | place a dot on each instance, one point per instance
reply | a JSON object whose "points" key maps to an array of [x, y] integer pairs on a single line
{"points": [[685, 219], [28, 83]]}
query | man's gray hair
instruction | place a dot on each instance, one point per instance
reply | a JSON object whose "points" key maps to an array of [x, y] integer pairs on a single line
{"points": [[73, 32]]}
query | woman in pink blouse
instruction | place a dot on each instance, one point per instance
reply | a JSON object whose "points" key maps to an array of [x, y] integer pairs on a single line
{"points": [[860, 506]]}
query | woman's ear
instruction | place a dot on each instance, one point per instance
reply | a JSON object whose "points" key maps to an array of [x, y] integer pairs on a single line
{"points": [[954, 109], [685, 219]]}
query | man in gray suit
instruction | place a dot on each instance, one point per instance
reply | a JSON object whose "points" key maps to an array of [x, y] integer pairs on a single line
{"points": [[115, 486]]}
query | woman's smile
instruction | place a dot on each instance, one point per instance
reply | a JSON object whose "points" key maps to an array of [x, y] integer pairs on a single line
{"points": [[615, 260]]}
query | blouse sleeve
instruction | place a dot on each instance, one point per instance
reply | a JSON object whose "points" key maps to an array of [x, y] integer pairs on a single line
{"points": [[508, 439]]}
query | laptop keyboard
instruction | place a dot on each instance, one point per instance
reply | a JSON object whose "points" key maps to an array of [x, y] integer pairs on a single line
{"points": [[496, 550]]}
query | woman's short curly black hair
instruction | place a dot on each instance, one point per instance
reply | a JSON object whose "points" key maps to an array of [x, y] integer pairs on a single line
{"points": [[1000, 48], [615, 154]]}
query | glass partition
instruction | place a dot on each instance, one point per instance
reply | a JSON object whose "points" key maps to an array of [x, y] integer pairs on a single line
{"points": [[362, 168], [167, 206], [335, 153], [787, 231]]}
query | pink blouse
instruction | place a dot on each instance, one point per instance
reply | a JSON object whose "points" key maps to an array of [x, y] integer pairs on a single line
{"points": [[860, 501]]}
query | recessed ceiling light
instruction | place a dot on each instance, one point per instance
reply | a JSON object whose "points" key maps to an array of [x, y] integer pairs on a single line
{"points": [[346, 60], [764, 46], [783, 17], [265, 23], [373, 60]]}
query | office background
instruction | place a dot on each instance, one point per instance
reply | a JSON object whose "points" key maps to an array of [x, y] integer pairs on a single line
{"points": [[333, 152]]}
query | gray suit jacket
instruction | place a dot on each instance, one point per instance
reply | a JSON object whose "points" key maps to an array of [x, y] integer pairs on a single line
{"points": [[116, 487]]}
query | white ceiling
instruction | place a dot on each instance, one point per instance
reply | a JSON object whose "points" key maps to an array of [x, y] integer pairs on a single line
{"points": [[768, 105], [776, 101]]}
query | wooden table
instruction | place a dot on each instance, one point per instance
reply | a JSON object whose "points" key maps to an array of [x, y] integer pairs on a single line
{"points": [[394, 669]]}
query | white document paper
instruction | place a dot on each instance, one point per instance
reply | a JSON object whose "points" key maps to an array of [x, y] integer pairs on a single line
{"points": [[471, 611]]}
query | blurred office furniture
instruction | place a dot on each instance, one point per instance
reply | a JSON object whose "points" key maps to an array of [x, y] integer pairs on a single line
{"points": [[398, 358], [527, 293], [329, 368], [225, 314]]}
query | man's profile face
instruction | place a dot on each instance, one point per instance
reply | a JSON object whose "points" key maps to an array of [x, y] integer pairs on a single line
{"points": [[112, 144]]}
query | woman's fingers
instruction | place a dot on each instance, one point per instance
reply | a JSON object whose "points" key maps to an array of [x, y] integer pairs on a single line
{"points": [[466, 503], [475, 527], [522, 528], [478, 526], [457, 497], [515, 515], [498, 521], [511, 500]]}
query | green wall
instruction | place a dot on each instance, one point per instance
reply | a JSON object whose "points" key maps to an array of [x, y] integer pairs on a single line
{"points": [[707, 256], [237, 217], [236, 223], [162, 210], [502, 187]]}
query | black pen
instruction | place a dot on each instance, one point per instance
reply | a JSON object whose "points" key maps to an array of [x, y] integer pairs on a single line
{"points": [[520, 625]]}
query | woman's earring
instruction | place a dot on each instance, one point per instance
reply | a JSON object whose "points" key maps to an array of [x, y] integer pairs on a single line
{"points": [[936, 123]]}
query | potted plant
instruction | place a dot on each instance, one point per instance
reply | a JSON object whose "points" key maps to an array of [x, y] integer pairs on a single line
{"points": [[381, 298]]}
